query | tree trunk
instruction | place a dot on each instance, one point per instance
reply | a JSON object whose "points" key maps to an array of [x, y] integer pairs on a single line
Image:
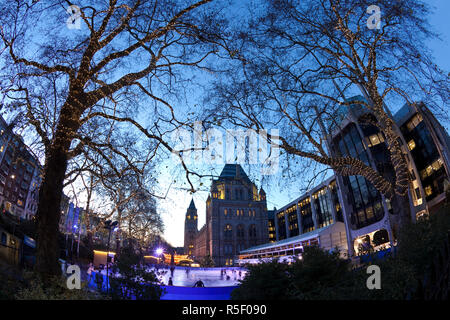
{"points": [[50, 191], [49, 213]]}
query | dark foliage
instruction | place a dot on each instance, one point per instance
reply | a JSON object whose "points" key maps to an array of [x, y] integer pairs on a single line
{"points": [[134, 281], [322, 275]]}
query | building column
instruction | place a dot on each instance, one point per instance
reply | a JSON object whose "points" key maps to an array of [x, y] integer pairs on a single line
{"points": [[346, 212], [299, 219], [275, 221], [313, 210], [286, 222], [331, 203]]}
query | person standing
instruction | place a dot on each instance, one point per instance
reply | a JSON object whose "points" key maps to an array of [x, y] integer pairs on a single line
{"points": [[89, 271]]}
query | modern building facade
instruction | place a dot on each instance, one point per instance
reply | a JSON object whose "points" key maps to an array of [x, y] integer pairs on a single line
{"points": [[236, 218], [315, 218], [369, 220], [429, 147]]}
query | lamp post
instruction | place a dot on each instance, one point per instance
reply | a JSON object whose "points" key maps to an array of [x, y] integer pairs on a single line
{"points": [[159, 252], [110, 226]]}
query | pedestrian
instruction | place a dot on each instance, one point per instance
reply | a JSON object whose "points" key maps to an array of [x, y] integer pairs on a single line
{"points": [[170, 282], [99, 280], [199, 284], [90, 270]]}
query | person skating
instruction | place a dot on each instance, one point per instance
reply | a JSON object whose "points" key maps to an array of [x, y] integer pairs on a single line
{"points": [[199, 284]]}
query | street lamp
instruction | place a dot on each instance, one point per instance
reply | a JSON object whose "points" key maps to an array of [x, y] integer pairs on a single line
{"points": [[110, 226], [159, 252]]}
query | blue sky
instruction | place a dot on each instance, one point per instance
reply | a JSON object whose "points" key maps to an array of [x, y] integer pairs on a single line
{"points": [[173, 208], [279, 190]]}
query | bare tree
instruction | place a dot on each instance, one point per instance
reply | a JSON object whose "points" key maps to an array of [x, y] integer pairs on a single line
{"points": [[299, 61], [75, 85]]}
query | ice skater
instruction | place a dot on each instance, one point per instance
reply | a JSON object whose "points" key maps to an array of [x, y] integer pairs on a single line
{"points": [[199, 284]]}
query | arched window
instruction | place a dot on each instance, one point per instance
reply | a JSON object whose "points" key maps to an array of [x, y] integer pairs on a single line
{"points": [[240, 237], [228, 232], [228, 249], [240, 231], [380, 237], [240, 247], [3, 238], [252, 234]]}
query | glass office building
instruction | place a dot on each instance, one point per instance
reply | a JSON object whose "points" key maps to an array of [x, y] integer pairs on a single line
{"points": [[370, 221]]}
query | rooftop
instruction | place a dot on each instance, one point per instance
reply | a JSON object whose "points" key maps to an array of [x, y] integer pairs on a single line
{"points": [[233, 171]]}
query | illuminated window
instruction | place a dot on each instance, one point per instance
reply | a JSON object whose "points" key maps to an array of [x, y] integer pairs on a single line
{"points": [[437, 164], [422, 215], [225, 212], [228, 232], [411, 145], [417, 202], [414, 122], [369, 212], [374, 139], [428, 190]]}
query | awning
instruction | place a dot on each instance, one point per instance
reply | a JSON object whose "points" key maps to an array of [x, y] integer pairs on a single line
{"points": [[294, 240]]}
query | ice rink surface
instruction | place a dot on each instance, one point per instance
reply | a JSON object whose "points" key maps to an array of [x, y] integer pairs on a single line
{"points": [[211, 277]]}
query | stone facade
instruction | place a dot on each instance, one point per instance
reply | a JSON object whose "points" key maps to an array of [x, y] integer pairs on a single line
{"points": [[236, 218]]}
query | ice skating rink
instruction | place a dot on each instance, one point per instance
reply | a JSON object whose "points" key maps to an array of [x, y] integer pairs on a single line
{"points": [[211, 277]]}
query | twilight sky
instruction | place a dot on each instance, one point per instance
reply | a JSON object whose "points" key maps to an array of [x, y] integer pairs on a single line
{"points": [[279, 191]]}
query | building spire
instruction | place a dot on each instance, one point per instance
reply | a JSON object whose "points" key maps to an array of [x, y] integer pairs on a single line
{"points": [[192, 204]]}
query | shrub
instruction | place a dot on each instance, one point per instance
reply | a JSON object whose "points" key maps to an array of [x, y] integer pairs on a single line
{"points": [[134, 281], [265, 281], [52, 289]]}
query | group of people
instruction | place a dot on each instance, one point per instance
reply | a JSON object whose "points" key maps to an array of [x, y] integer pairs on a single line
{"points": [[223, 272], [161, 273]]}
